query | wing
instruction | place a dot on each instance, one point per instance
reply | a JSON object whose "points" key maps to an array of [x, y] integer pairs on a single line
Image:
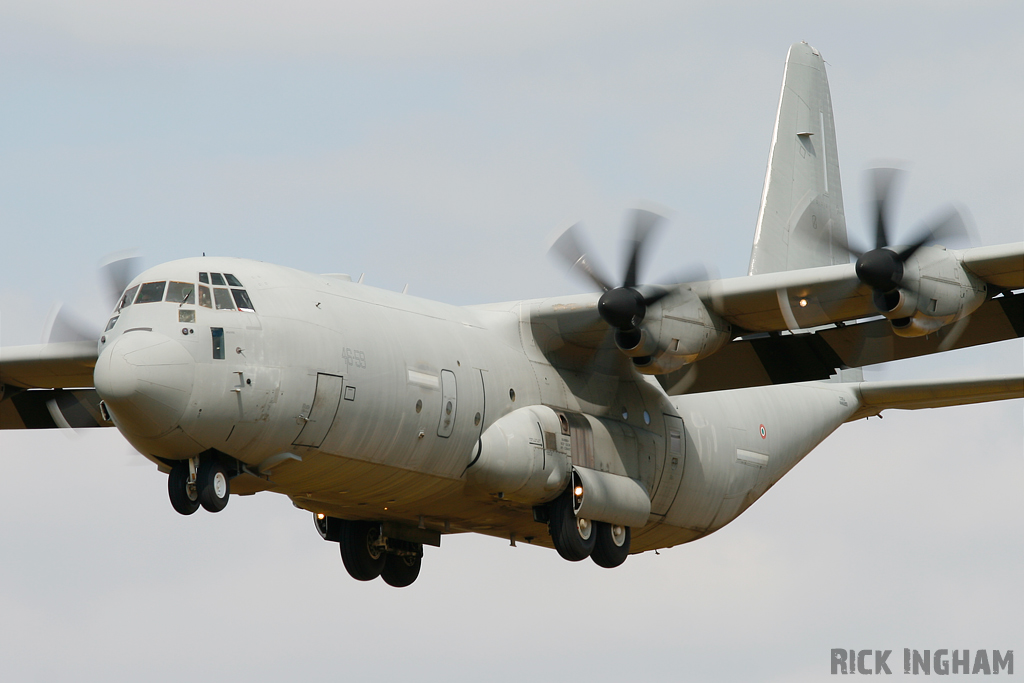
{"points": [[814, 297], [49, 385], [762, 359]]}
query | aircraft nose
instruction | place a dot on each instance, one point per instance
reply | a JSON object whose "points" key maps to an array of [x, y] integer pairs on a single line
{"points": [[145, 379]]}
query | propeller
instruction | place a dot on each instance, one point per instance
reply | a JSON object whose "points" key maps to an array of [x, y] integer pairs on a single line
{"points": [[881, 268], [623, 307], [115, 271]]}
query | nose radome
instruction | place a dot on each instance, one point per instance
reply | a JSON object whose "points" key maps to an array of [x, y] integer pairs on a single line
{"points": [[145, 379]]}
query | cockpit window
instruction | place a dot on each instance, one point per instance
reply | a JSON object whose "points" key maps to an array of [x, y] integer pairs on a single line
{"points": [[128, 298], [181, 292], [217, 279], [204, 297], [242, 299], [232, 280], [150, 292], [204, 278], [223, 299]]}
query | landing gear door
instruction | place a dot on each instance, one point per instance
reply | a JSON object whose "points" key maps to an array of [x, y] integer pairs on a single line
{"points": [[321, 414], [449, 404], [672, 469]]}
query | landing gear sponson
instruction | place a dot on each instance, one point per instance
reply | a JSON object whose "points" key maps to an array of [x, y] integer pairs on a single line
{"points": [[368, 553], [202, 480]]}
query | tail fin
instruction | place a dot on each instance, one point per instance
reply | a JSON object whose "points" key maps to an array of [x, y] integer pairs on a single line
{"points": [[801, 223]]}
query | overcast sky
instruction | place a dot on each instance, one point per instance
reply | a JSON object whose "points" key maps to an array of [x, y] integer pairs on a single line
{"points": [[440, 144]]}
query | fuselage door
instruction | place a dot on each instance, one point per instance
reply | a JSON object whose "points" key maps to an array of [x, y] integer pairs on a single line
{"points": [[322, 412], [672, 469], [449, 404]]}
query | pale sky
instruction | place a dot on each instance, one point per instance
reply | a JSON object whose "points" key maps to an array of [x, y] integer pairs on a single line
{"points": [[440, 145]]}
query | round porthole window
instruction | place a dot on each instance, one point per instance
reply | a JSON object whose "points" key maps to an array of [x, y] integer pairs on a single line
{"points": [[512, 394], [476, 420], [625, 413], [647, 418], [419, 406], [448, 408]]}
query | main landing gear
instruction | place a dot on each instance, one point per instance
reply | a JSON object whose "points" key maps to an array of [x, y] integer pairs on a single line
{"points": [[202, 480], [577, 538], [368, 554]]}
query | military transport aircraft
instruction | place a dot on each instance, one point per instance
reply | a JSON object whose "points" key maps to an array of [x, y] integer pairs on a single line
{"points": [[635, 418]]}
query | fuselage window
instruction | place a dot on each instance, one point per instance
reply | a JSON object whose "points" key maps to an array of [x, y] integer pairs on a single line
{"points": [[150, 292], [216, 279], [204, 278], [232, 280], [223, 299], [218, 342], [204, 297], [181, 292], [128, 297], [242, 299]]}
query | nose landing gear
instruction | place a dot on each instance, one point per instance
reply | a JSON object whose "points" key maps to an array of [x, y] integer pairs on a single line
{"points": [[181, 488], [202, 480]]}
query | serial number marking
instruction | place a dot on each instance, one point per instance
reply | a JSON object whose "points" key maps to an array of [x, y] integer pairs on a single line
{"points": [[354, 357]]}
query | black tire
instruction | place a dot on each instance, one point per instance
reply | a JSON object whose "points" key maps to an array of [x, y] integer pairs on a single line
{"points": [[184, 499], [363, 559], [573, 537], [213, 484], [611, 546], [401, 570]]}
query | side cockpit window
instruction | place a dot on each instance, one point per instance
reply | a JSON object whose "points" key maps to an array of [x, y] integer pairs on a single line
{"points": [[128, 297], [242, 300]]}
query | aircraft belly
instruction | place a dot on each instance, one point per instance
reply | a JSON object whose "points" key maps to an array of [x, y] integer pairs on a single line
{"points": [[741, 442]]}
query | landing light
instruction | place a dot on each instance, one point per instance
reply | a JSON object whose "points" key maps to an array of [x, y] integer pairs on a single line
{"points": [[578, 491], [803, 303], [320, 515]]}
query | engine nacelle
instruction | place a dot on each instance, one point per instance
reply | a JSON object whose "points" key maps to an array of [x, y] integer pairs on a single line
{"points": [[677, 336], [936, 291], [513, 461]]}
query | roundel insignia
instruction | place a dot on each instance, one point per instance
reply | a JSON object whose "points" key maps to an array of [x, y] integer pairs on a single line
{"points": [[764, 432]]}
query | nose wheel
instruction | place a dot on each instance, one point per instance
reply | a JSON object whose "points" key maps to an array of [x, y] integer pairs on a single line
{"points": [[191, 484], [181, 487]]}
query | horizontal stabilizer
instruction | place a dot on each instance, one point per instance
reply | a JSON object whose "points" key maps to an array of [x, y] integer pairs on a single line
{"points": [[914, 395]]}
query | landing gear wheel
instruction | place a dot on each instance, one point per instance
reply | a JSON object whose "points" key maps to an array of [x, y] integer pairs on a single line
{"points": [[184, 497], [213, 484], [401, 570], [363, 558], [611, 546], [573, 536]]}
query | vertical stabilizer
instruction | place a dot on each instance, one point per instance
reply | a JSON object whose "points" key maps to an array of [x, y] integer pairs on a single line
{"points": [[801, 223]]}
